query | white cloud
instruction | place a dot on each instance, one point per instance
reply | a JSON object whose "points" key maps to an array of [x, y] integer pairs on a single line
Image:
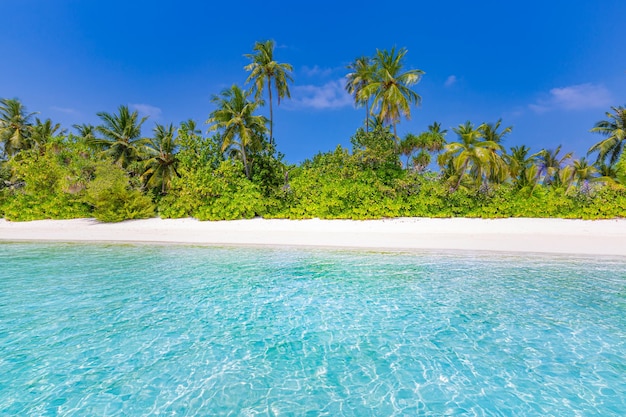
{"points": [[450, 81], [316, 70], [147, 110], [331, 95], [574, 97]]}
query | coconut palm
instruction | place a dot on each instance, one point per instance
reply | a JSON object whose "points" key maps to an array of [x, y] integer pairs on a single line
{"points": [[160, 167], [614, 129], [86, 132], [264, 72], [240, 127], [390, 89], [42, 132], [582, 171], [473, 156], [550, 164], [490, 131], [122, 136], [15, 126], [522, 167], [361, 75]]}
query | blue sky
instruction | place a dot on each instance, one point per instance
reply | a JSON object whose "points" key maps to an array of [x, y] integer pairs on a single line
{"points": [[550, 69]]}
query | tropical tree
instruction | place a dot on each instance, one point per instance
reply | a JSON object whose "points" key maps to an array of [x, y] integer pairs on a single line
{"points": [[122, 139], [264, 72], [390, 89], [580, 172], [522, 167], [550, 165], [473, 156], [161, 165], [490, 131], [361, 75], [86, 132], [15, 126], [614, 129], [432, 140], [41, 132], [240, 128]]}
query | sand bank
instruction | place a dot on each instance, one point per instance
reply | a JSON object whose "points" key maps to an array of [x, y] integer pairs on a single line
{"points": [[601, 237]]}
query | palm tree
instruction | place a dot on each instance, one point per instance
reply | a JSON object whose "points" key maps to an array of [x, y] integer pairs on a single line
{"points": [[473, 156], [41, 132], [15, 126], [583, 172], [86, 132], [361, 75], [264, 71], [122, 136], [614, 129], [426, 142], [522, 167], [235, 118], [161, 166], [390, 88], [408, 146], [550, 164], [490, 131]]}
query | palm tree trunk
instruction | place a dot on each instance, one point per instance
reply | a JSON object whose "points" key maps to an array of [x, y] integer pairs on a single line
{"points": [[269, 90], [244, 159], [367, 116], [460, 173]]}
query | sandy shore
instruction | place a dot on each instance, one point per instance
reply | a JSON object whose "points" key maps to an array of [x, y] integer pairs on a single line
{"points": [[601, 237]]}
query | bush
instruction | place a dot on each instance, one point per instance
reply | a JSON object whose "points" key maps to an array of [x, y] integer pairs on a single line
{"points": [[112, 197], [207, 194]]}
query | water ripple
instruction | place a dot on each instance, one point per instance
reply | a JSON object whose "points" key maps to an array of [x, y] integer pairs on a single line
{"points": [[192, 331]]}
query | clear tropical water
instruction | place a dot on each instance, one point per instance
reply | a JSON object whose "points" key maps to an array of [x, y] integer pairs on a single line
{"points": [[196, 331]]}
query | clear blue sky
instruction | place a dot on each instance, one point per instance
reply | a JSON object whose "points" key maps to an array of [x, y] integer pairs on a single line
{"points": [[551, 69]]}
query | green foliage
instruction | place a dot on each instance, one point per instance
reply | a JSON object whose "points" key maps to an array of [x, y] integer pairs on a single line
{"points": [[113, 198], [377, 150], [207, 194], [45, 186], [269, 173], [58, 176], [334, 185]]}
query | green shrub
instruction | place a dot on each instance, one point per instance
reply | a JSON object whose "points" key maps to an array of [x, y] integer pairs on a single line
{"points": [[206, 194], [112, 197]]}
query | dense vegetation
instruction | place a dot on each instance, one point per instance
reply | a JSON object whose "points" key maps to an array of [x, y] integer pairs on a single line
{"points": [[113, 172]]}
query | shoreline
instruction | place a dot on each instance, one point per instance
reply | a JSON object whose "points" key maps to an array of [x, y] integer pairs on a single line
{"points": [[512, 235]]}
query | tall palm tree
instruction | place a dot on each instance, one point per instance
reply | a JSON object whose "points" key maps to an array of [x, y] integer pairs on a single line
{"points": [[474, 156], [41, 132], [239, 126], [390, 88], [550, 164], [490, 131], [122, 136], [361, 75], [522, 167], [15, 126], [614, 129], [264, 72], [161, 165]]}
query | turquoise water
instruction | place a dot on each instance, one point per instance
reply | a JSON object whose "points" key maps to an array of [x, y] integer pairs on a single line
{"points": [[195, 331]]}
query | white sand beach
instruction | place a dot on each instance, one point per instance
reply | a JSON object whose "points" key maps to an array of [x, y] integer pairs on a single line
{"points": [[598, 237]]}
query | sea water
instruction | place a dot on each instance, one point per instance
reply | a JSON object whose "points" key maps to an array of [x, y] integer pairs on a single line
{"points": [[134, 330]]}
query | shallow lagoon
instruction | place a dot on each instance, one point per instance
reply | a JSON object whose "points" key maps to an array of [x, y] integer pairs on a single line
{"points": [[148, 330]]}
